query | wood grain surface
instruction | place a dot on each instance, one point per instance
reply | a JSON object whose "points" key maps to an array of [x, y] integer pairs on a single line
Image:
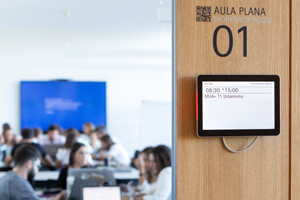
{"points": [[295, 101], [205, 169]]}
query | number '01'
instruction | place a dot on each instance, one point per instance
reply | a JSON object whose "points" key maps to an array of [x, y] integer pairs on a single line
{"points": [[244, 29]]}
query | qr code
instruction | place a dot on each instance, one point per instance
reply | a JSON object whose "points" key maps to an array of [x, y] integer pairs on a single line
{"points": [[203, 13]]}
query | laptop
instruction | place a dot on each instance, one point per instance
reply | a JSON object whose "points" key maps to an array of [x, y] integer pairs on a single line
{"points": [[86, 173], [101, 193], [76, 192], [52, 149]]}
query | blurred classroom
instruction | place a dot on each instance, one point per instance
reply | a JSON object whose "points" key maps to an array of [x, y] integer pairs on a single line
{"points": [[86, 99]]}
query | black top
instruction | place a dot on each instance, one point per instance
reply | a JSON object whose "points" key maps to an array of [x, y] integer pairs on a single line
{"points": [[62, 179], [37, 146]]}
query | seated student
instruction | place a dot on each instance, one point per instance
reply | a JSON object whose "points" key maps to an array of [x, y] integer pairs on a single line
{"points": [[160, 159], [15, 185], [53, 136], [63, 154], [80, 139], [101, 131], [38, 134], [147, 178], [27, 135], [4, 127], [9, 141], [78, 159], [91, 136], [114, 151]]}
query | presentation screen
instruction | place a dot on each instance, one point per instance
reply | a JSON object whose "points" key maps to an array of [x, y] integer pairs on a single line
{"points": [[68, 104], [238, 105]]}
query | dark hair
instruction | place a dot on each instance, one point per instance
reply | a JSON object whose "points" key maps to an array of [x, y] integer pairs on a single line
{"points": [[149, 175], [37, 131], [27, 133], [53, 128], [5, 126], [71, 139], [75, 148], [25, 153], [100, 129], [72, 130], [147, 150], [107, 140], [162, 156]]}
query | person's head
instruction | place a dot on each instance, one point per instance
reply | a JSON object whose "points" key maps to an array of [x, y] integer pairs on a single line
{"points": [[78, 155], [5, 126], [100, 131], [27, 133], [8, 135], [106, 142], [88, 128], [160, 157], [60, 130], [71, 138], [38, 132], [53, 132], [27, 158], [145, 155], [72, 130]]}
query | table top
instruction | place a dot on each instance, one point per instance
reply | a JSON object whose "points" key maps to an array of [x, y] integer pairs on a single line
{"points": [[53, 175]]}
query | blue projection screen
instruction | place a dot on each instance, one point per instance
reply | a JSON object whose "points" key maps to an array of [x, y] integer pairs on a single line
{"points": [[69, 104]]}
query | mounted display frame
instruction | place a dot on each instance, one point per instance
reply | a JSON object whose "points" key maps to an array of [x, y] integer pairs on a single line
{"points": [[238, 105]]}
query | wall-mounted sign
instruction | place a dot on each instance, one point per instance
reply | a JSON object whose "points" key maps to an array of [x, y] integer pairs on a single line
{"points": [[238, 105]]}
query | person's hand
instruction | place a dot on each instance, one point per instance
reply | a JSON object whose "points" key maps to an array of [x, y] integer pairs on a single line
{"points": [[94, 156], [139, 197], [140, 164], [124, 187], [125, 197], [61, 196]]}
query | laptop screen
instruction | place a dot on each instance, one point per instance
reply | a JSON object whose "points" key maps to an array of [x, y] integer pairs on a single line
{"points": [[103, 193]]}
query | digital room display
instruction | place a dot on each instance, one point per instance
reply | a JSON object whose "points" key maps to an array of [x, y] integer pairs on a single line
{"points": [[238, 105]]}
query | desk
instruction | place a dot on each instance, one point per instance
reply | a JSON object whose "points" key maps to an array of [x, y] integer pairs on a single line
{"points": [[53, 175]]}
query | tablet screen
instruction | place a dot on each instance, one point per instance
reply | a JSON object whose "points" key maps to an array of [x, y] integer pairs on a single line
{"points": [[238, 105]]}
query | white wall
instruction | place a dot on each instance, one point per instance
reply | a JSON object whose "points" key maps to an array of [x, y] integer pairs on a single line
{"points": [[135, 65]]}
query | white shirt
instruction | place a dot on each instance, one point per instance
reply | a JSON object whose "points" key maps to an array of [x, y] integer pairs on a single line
{"points": [[146, 186], [162, 188], [63, 155], [119, 154], [60, 139]]}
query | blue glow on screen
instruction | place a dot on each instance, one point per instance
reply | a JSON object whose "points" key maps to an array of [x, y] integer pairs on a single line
{"points": [[69, 104]]}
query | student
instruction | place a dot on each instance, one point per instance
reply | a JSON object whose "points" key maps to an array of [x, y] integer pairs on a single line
{"points": [[114, 151], [27, 135], [101, 131], [9, 141], [38, 133], [147, 178], [63, 154], [4, 127], [15, 185], [78, 159], [160, 161], [53, 136], [80, 139], [91, 136]]}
